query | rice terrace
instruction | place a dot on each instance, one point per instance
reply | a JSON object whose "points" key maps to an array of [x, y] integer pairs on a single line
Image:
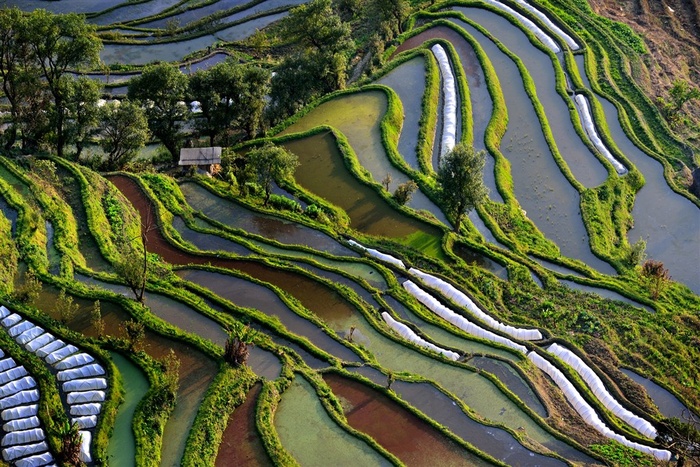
{"points": [[350, 232]]}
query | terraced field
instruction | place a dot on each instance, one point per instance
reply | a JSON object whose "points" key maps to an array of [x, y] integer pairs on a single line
{"points": [[381, 336]]}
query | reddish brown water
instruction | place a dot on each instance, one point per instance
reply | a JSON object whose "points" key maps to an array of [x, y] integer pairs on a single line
{"points": [[241, 445], [414, 441]]}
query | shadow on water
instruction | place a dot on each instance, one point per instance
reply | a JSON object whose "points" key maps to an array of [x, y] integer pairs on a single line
{"points": [[668, 404], [474, 257]]}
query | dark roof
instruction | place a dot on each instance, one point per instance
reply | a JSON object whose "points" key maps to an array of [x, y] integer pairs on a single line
{"points": [[200, 156]]}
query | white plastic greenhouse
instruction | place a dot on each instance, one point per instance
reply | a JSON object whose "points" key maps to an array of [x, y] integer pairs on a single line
{"points": [[584, 110], [50, 347], [379, 255], [463, 300], [23, 437], [536, 30], [85, 396], [598, 388], [11, 320], [39, 342], [22, 411], [449, 106], [21, 398], [461, 322], [73, 361], [4, 312], [87, 422], [13, 387], [19, 328], [29, 335], [7, 363], [550, 25], [12, 374], [35, 460], [60, 354], [85, 439], [86, 371], [587, 412], [85, 384], [406, 332], [80, 410], [15, 452], [21, 424]]}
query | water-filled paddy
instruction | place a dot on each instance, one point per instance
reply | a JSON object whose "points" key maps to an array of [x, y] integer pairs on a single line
{"points": [[241, 444], [121, 449], [668, 404], [474, 257], [73, 6], [358, 117], [129, 12], [322, 171], [311, 436], [606, 293]]}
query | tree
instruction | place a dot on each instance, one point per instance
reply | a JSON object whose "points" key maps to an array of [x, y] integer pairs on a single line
{"points": [[680, 93], [82, 95], [240, 338], [28, 289], [271, 163], [637, 252], [123, 132], [392, 12], [293, 86], [161, 89], [71, 441], [460, 179], [61, 43], [65, 308], [317, 25], [404, 192], [681, 438], [656, 275], [386, 181], [134, 332], [231, 97], [96, 319]]}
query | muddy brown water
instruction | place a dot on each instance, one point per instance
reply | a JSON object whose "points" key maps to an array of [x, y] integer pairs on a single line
{"points": [[241, 444], [414, 441]]}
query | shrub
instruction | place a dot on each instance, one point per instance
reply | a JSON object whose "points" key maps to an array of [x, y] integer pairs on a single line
{"points": [[284, 203]]}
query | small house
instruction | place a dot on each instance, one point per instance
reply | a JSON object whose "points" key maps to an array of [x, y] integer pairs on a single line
{"points": [[205, 159]]}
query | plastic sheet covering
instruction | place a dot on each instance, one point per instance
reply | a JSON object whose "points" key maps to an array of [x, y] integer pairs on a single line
{"points": [[29, 335], [60, 354], [449, 106], [463, 300], [86, 396], [86, 438], [39, 342], [11, 320], [91, 408], [21, 424], [586, 411], [15, 452], [460, 321], [598, 389], [585, 112], [84, 423], [12, 374], [50, 347], [13, 387], [550, 25], [379, 255], [82, 372], [21, 398], [7, 363], [4, 312], [23, 437], [22, 411], [85, 384], [19, 328], [35, 460], [406, 332], [73, 361], [532, 27]]}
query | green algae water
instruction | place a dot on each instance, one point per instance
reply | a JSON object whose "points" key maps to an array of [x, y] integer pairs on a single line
{"points": [[311, 436], [121, 449]]}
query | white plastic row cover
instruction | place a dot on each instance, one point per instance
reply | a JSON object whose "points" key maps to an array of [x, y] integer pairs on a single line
{"points": [[21, 424], [449, 106], [29, 334], [463, 300], [7, 363], [598, 388], [12, 374], [379, 255], [80, 410], [22, 411], [408, 334], [84, 423], [60, 354], [536, 30], [89, 384], [85, 396], [94, 369], [18, 329], [11, 320], [21, 398], [73, 361], [15, 452], [85, 439], [584, 110], [13, 387], [548, 22], [32, 435], [461, 322], [586, 411], [35, 460]]}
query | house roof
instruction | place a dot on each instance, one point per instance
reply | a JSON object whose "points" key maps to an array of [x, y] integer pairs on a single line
{"points": [[200, 156]]}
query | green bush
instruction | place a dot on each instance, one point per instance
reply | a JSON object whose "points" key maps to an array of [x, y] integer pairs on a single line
{"points": [[284, 203]]}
